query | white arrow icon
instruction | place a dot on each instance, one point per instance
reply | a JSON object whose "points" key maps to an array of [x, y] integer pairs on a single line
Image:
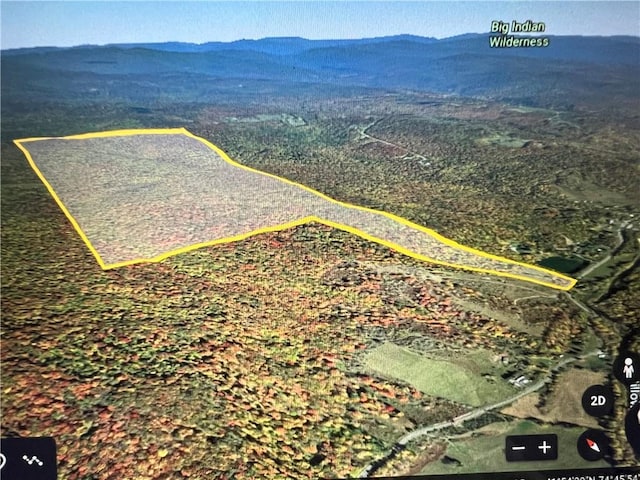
{"points": [[593, 445]]}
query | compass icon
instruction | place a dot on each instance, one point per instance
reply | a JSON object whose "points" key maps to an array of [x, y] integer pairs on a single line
{"points": [[593, 445]]}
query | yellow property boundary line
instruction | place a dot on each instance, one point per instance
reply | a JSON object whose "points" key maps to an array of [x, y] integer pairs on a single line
{"points": [[183, 131]]}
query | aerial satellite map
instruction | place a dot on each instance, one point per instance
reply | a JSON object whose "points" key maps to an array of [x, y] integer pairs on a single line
{"points": [[299, 240]]}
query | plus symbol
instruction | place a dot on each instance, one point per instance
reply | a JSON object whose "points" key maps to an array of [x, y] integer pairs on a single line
{"points": [[544, 447]]}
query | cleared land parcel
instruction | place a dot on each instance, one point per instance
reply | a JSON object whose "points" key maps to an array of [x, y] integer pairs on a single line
{"points": [[144, 195]]}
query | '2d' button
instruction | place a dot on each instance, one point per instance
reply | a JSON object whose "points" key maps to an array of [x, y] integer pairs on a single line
{"points": [[597, 401]]}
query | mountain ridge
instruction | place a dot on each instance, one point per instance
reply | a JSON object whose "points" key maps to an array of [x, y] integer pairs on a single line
{"points": [[569, 68]]}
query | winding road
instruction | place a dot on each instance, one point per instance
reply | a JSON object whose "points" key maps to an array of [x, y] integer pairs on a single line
{"points": [[613, 251], [364, 135]]}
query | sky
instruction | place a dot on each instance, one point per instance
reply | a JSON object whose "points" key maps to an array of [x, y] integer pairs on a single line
{"points": [[69, 23]]}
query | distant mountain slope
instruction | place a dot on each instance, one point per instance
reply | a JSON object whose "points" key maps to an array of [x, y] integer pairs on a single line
{"points": [[608, 50], [571, 68], [272, 45]]}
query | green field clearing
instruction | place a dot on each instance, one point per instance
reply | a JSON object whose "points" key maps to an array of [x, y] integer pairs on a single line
{"points": [[524, 109], [609, 267], [485, 452], [503, 141], [511, 320], [457, 379], [282, 117]]}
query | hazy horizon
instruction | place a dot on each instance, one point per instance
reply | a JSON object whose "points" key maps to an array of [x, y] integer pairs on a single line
{"points": [[47, 24], [286, 37]]}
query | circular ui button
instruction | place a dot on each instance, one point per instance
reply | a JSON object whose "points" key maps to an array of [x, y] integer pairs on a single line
{"points": [[593, 445], [626, 367], [632, 427], [597, 401]]}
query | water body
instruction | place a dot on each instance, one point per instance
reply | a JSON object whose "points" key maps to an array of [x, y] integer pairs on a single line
{"points": [[563, 264]]}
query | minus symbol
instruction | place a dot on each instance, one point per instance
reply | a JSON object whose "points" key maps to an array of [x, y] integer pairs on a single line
{"points": [[518, 448]]}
